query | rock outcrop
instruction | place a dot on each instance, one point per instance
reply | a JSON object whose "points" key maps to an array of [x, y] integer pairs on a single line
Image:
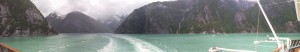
{"points": [[22, 18]]}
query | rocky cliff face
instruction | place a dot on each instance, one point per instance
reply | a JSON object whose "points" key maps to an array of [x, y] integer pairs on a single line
{"points": [[201, 16], [157, 17], [282, 14], [76, 22], [22, 18]]}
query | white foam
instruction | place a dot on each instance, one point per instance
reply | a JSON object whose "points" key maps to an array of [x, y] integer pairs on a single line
{"points": [[40, 50], [110, 47], [140, 45]]}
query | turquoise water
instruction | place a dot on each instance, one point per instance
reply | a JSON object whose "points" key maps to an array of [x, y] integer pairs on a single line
{"points": [[107, 42]]}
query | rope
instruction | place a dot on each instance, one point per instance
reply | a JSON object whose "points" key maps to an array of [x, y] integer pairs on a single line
{"points": [[257, 27]]}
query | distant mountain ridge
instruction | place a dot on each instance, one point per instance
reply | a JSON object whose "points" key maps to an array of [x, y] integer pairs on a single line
{"points": [[113, 22], [207, 16], [22, 18], [76, 22]]}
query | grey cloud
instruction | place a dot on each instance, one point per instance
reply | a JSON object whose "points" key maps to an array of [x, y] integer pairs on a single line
{"points": [[94, 8]]}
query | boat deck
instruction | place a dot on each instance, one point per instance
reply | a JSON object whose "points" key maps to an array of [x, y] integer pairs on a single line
{"points": [[5, 48]]}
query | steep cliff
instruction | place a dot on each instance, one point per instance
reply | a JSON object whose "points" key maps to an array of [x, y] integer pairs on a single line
{"points": [[282, 14], [204, 16], [22, 18], [76, 22], [157, 17]]}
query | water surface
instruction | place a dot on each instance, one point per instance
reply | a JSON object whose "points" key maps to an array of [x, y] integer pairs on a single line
{"points": [[108, 42]]}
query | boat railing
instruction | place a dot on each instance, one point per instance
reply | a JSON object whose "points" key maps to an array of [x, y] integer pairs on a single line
{"points": [[5, 48], [289, 45], [294, 46], [285, 43]]}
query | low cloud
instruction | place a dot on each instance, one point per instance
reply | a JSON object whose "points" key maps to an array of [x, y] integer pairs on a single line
{"points": [[94, 8]]}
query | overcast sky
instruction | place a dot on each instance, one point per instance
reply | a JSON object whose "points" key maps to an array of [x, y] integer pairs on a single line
{"points": [[94, 8]]}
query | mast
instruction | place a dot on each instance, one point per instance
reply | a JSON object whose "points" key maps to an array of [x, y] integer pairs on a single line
{"points": [[297, 9], [269, 23]]}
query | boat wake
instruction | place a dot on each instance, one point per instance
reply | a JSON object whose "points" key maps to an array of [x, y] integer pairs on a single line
{"points": [[110, 47], [140, 45]]}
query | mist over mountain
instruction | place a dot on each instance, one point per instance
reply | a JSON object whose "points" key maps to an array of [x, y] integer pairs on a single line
{"points": [[76, 22], [97, 9], [208, 16], [161, 17], [113, 22], [22, 18]]}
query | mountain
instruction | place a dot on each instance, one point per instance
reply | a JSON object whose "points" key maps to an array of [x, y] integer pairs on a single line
{"points": [[76, 22], [282, 14], [113, 22], [205, 16], [22, 18]]}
